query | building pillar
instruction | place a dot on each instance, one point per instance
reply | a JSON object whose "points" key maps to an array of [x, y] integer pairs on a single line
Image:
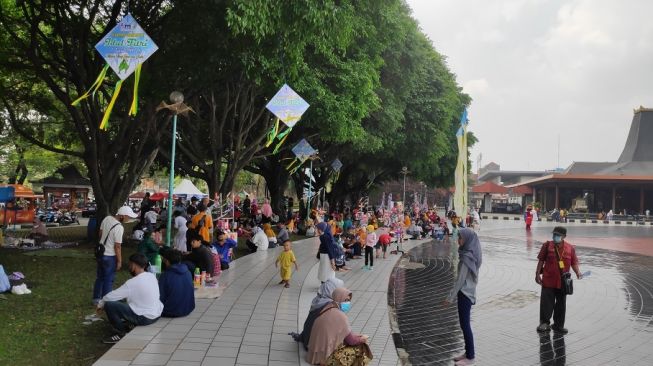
{"points": [[614, 199], [557, 201], [535, 194], [641, 201]]}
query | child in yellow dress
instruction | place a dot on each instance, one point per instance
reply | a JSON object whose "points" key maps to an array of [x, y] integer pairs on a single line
{"points": [[286, 259]]}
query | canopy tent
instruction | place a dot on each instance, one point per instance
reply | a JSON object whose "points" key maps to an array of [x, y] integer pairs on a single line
{"points": [[187, 188]]}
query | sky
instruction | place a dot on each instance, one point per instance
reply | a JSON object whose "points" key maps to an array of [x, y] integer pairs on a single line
{"points": [[543, 70]]}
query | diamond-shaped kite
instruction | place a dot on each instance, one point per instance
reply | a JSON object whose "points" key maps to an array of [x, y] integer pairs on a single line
{"points": [[336, 165], [287, 105], [303, 150], [124, 48]]}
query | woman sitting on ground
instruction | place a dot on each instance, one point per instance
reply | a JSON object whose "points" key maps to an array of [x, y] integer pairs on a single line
{"points": [[331, 340], [39, 232], [322, 299]]}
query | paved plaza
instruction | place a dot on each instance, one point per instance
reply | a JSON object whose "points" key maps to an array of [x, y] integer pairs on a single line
{"points": [[609, 316]]}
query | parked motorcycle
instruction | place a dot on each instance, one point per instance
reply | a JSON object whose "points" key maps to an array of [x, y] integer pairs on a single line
{"points": [[68, 218]]}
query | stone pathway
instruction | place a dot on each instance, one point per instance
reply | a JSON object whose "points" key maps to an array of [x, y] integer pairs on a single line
{"points": [[249, 323], [610, 315]]}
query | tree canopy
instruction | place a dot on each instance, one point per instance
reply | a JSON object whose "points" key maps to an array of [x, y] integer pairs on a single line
{"points": [[381, 96]]}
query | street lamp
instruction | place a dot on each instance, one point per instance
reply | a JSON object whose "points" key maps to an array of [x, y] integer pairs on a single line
{"points": [[404, 171], [177, 107], [310, 184]]}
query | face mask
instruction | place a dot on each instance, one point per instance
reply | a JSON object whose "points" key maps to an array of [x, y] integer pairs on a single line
{"points": [[557, 239], [345, 306]]}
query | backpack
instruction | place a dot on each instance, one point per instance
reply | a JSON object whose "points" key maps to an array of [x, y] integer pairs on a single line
{"points": [[100, 247], [201, 223]]}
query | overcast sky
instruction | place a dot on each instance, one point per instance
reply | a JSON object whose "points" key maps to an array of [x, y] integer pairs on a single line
{"points": [[537, 69]]}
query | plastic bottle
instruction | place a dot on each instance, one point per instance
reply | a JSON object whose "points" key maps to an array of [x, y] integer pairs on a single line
{"points": [[203, 279], [196, 278], [157, 264]]}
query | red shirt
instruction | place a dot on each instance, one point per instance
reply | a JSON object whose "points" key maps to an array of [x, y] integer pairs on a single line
{"points": [[384, 239], [551, 271]]}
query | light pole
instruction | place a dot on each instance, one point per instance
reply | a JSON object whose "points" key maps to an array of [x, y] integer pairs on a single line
{"points": [[177, 107], [404, 171], [310, 185]]}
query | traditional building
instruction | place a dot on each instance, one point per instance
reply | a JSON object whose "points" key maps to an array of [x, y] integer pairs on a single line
{"points": [[67, 188], [625, 186]]}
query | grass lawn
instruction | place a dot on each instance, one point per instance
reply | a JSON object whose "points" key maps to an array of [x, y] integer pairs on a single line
{"points": [[45, 327]]}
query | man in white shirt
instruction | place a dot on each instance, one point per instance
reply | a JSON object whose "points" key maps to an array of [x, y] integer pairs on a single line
{"points": [[111, 232], [150, 219], [141, 292]]}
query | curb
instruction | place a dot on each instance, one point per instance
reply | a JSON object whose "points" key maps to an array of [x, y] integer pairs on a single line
{"points": [[581, 221]]}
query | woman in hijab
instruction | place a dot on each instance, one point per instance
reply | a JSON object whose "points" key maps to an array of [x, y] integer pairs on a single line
{"points": [[327, 253], [332, 342], [39, 232], [464, 290], [322, 299]]}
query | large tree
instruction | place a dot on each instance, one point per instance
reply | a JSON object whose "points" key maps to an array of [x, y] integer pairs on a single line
{"points": [[51, 44]]}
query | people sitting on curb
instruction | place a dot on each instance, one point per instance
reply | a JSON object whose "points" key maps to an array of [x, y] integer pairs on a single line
{"points": [[258, 240], [142, 306], [223, 246], [200, 255], [175, 285]]}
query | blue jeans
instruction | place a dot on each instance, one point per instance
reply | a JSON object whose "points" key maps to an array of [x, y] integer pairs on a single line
{"points": [[464, 315], [119, 312], [106, 272]]}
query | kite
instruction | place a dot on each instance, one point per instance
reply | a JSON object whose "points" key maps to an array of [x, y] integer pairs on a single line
{"points": [[303, 151], [288, 107], [125, 48]]}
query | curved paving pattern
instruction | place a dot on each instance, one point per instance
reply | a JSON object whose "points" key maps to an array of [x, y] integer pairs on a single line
{"points": [[609, 317]]}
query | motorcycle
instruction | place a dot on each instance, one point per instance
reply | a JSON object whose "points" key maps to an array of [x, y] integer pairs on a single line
{"points": [[68, 218]]}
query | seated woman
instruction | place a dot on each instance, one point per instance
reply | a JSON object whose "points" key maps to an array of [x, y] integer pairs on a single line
{"points": [[320, 300], [331, 340], [272, 237], [39, 232]]}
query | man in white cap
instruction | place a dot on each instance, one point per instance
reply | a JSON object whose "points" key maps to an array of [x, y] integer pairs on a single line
{"points": [[111, 231]]}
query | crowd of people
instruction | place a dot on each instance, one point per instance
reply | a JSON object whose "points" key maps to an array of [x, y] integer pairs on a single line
{"points": [[204, 245]]}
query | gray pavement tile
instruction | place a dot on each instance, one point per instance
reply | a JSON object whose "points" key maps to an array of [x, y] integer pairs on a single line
{"points": [[252, 359], [171, 335], [172, 342], [151, 359], [193, 346], [111, 363], [284, 346], [187, 355], [259, 350], [183, 363], [160, 348], [206, 340], [131, 343], [201, 334], [231, 331], [218, 361], [229, 352], [284, 356], [227, 339]]}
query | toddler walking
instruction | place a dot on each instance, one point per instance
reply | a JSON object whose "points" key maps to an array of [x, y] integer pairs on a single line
{"points": [[370, 242], [284, 262]]}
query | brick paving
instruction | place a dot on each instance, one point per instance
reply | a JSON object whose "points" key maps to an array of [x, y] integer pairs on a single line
{"points": [[249, 323], [609, 317]]}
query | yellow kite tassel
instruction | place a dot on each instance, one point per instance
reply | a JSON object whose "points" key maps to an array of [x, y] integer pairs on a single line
{"points": [[137, 78], [273, 133], [107, 113], [292, 163], [94, 87], [276, 149]]}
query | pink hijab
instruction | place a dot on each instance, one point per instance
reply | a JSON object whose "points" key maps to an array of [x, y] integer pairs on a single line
{"points": [[266, 209]]}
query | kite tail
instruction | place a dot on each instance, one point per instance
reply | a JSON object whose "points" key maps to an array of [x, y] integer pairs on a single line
{"points": [[137, 77], [94, 87], [107, 113]]}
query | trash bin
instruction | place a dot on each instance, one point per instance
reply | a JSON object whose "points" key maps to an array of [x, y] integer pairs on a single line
{"points": [[92, 229]]}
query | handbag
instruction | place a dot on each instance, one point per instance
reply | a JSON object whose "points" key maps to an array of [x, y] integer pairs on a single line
{"points": [[566, 283], [100, 247]]}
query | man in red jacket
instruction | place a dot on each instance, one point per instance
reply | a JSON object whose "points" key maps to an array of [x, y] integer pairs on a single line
{"points": [[554, 255]]}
